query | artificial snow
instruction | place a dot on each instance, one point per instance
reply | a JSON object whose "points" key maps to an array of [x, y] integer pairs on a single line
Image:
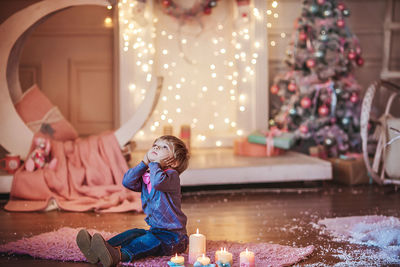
{"points": [[380, 233]]}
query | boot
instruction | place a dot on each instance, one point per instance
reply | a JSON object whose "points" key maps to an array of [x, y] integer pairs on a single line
{"points": [[108, 255], [83, 240]]}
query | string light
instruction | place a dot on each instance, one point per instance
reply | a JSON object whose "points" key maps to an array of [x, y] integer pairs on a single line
{"points": [[225, 80]]}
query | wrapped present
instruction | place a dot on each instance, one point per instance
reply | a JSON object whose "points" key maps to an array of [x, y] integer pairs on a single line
{"points": [[349, 170], [283, 140], [318, 151], [241, 147]]}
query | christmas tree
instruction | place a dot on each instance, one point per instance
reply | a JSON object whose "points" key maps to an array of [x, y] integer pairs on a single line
{"points": [[318, 96]]}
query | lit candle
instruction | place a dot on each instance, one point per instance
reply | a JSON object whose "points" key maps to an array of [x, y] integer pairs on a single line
{"points": [[223, 256], [179, 260], [197, 246], [204, 260], [247, 259]]}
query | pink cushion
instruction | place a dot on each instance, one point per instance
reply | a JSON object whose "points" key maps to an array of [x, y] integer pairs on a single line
{"points": [[34, 106]]}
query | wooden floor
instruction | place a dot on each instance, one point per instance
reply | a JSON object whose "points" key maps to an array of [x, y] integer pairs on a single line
{"points": [[284, 216]]}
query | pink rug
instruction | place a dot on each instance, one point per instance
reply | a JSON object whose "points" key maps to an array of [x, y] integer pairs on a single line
{"points": [[60, 245]]}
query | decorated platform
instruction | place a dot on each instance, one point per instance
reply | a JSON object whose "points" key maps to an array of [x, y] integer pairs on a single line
{"points": [[220, 166]]}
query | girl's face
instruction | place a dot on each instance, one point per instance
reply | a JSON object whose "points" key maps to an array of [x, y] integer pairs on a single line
{"points": [[161, 151]]}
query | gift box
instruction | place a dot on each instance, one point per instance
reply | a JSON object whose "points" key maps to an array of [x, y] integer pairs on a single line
{"points": [[241, 147], [283, 140], [349, 171]]}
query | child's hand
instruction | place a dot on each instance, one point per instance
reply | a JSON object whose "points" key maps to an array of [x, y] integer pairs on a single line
{"points": [[169, 161], [146, 159], [149, 156]]}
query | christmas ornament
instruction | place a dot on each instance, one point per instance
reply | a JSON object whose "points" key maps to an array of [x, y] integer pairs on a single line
{"points": [[341, 6], [302, 36], [321, 2], [303, 129], [292, 87], [207, 10], [327, 13], [328, 141], [292, 111], [345, 121], [354, 98], [310, 63], [188, 14], [319, 54], [346, 12], [212, 4], [360, 61], [274, 89], [166, 3], [323, 110], [271, 122], [352, 55], [324, 37], [313, 8], [340, 23], [305, 102]]}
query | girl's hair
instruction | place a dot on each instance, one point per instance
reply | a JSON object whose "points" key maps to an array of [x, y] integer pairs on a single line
{"points": [[181, 153]]}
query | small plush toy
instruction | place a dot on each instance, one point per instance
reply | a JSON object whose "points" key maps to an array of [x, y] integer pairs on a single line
{"points": [[40, 156]]}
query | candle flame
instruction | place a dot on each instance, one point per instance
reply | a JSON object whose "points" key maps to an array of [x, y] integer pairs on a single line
{"points": [[197, 231]]}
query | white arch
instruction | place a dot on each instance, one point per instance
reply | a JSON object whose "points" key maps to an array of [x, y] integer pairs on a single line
{"points": [[15, 136]]}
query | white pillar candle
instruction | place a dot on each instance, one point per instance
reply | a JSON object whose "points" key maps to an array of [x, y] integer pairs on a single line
{"points": [[178, 259], [197, 246], [247, 259], [223, 256], [204, 260]]}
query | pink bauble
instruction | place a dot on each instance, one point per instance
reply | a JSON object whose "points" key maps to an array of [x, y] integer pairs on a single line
{"points": [[352, 55], [303, 129], [341, 6], [305, 102], [360, 61], [340, 23], [353, 98], [310, 63], [274, 89], [321, 2], [292, 87], [166, 3], [207, 10], [323, 110], [303, 36]]}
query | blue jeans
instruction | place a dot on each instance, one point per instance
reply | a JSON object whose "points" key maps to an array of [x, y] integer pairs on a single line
{"points": [[140, 243]]}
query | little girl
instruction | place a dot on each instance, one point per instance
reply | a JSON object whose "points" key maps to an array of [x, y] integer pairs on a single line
{"points": [[157, 178]]}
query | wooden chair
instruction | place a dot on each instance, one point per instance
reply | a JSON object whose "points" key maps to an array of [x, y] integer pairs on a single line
{"points": [[384, 161]]}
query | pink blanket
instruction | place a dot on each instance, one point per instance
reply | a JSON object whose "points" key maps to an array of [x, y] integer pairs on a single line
{"points": [[88, 176]]}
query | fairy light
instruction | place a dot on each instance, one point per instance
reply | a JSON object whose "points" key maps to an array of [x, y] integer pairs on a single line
{"points": [[237, 52], [108, 23]]}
